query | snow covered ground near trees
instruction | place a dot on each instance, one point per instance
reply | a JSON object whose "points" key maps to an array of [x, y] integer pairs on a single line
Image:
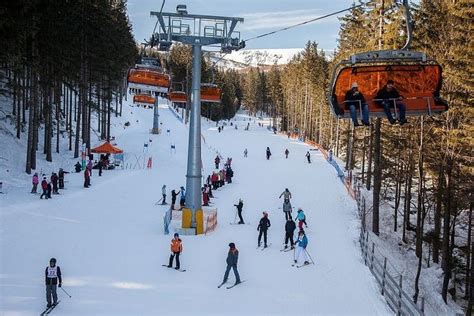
{"points": [[110, 245]]}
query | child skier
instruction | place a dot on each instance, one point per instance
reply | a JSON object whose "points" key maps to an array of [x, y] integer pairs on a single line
{"points": [[44, 186], [176, 247], [163, 193], [301, 217], [35, 182], [301, 243], [232, 258], [52, 276], [263, 226]]}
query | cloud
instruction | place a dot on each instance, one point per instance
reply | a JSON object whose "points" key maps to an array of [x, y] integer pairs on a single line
{"points": [[277, 19]]}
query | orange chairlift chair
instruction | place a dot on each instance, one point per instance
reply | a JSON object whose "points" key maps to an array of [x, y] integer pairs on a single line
{"points": [[417, 79], [210, 93], [145, 100], [177, 93], [148, 77]]}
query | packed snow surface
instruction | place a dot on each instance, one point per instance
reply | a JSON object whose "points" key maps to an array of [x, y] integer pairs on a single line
{"points": [[109, 242]]}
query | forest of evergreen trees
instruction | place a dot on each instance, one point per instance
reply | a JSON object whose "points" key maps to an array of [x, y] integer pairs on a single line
{"points": [[423, 170], [62, 61]]}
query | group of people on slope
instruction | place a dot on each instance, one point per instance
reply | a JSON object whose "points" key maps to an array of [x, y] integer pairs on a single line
{"points": [[50, 186], [387, 97], [174, 195]]}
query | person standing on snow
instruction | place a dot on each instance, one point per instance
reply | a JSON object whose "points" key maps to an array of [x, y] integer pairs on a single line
{"points": [[54, 181], [87, 178], [263, 226], [239, 211], [61, 174], [286, 195], [217, 161], [245, 153], [52, 276], [301, 244], [308, 156], [290, 228], [163, 192], [301, 217], [182, 198], [49, 189], [176, 247], [287, 209], [35, 182], [44, 186], [174, 194], [287, 152], [269, 153], [232, 258]]}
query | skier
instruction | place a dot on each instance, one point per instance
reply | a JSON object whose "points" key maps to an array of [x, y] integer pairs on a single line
{"points": [[330, 155], [176, 249], [229, 173], [78, 167], [54, 181], [44, 186], [35, 182], [308, 156], [163, 192], [217, 161], [287, 152], [287, 208], [52, 276], [87, 178], [263, 226], [239, 211], [61, 174], [301, 243], [245, 153], [182, 198], [232, 258], [290, 228], [229, 162], [49, 189], [173, 198], [286, 195], [268, 153], [205, 196], [301, 217]]}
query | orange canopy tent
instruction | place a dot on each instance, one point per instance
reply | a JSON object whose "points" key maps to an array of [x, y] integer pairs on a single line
{"points": [[106, 148]]}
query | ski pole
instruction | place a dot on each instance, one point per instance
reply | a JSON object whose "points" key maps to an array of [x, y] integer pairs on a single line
{"points": [[235, 217], [65, 292], [309, 255], [158, 201]]}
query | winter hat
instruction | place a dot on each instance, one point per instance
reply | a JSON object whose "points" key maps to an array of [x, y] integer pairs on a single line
{"points": [[354, 85], [176, 235], [52, 260], [232, 245]]}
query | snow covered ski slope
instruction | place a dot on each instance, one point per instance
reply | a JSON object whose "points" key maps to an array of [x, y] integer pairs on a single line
{"points": [[109, 242]]}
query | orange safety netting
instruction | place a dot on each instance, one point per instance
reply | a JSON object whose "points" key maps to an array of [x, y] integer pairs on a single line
{"points": [[143, 98], [418, 84], [106, 148], [149, 77]]}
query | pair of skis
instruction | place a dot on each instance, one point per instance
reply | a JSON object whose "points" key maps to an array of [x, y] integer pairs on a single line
{"points": [[50, 309], [287, 249], [263, 248], [229, 287], [180, 270], [301, 265]]}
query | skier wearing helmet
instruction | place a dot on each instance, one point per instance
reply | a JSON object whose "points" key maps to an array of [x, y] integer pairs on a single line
{"points": [[52, 276], [263, 226]]}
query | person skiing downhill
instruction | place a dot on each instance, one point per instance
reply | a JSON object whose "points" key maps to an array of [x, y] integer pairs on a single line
{"points": [[35, 182], [239, 211], [232, 259], [262, 227], [301, 217], [301, 243], [269, 153], [52, 276], [290, 228], [308, 156], [163, 193], [287, 152], [176, 247]]}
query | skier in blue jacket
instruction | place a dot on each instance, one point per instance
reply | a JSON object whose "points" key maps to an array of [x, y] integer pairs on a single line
{"points": [[301, 244]]}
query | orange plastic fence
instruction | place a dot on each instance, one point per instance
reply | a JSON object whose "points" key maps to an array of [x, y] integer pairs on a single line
{"points": [[211, 221]]}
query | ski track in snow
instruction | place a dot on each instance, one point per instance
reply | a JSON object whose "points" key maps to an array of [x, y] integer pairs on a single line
{"points": [[109, 240]]}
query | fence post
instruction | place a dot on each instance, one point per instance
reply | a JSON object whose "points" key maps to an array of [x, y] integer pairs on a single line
{"points": [[372, 259], [399, 312], [383, 275]]}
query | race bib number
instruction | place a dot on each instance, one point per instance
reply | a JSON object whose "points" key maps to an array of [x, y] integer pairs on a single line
{"points": [[52, 272]]}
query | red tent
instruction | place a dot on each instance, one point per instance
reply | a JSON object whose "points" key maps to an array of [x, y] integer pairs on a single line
{"points": [[106, 148]]}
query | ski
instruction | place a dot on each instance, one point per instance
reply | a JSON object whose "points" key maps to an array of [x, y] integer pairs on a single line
{"points": [[180, 270], [286, 249], [220, 285], [229, 287], [49, 309], [302, 265], [266, 247], [239, 224]]}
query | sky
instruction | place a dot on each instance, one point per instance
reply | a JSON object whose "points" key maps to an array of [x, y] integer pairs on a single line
{"points": [[260, 16]]}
